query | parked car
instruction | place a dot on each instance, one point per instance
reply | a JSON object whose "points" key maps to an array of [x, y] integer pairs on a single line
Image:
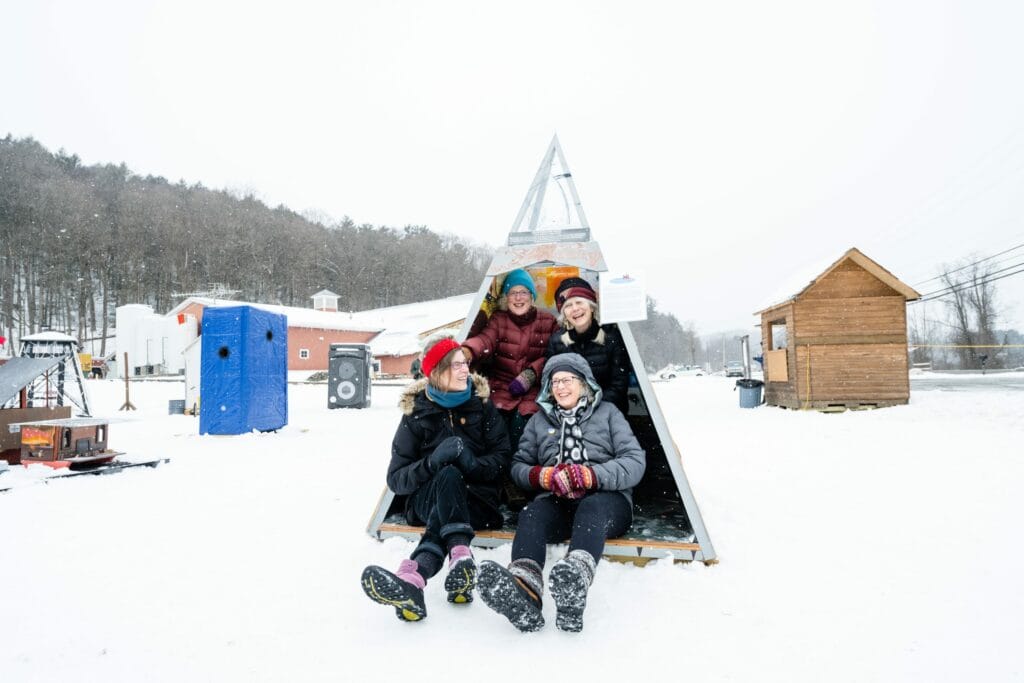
{"points": [[673, 371], [734, 368]]}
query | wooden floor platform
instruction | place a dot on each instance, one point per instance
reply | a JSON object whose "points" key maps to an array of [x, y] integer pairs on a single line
{"points": [[628, 547]]}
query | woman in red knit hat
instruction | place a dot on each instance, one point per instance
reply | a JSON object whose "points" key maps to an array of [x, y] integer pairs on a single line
{"points": [[448, 458]]}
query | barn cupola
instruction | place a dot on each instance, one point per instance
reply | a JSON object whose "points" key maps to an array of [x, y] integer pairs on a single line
{"points": [[325, 300]]}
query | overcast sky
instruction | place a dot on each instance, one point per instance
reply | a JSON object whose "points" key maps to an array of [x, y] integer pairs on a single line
{"points": [[722, 148]]}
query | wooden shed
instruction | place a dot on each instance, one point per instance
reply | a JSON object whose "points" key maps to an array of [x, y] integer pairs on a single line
{"points": [[841, 341]]}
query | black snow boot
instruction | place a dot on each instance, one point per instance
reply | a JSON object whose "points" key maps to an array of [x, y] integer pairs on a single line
{"points": [[570, 579], [514, 593], [385, 588]]}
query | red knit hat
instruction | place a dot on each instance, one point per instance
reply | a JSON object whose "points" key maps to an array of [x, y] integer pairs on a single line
{"points": [[435, 353]]}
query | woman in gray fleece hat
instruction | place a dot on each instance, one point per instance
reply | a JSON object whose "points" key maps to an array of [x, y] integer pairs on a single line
{"points": [[581, 455]]}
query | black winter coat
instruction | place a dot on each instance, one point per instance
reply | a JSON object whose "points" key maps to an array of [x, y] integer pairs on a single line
{"points": [[426, 424], [606, 355]]}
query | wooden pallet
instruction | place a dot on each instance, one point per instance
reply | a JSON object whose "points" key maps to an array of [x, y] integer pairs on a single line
{"points": [[628, 549]]}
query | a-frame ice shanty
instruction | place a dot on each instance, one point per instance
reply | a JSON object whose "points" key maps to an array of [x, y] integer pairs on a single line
{"points": [[551, 240]]}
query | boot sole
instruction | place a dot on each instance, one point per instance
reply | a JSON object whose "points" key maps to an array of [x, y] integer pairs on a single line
{"points": [[570, 593], [461, 581], [499, 591], [385, 588]]}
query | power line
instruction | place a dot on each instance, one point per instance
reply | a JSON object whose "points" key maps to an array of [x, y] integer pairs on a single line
{"points": [[956, 286], [968, 285], [982, 260]]}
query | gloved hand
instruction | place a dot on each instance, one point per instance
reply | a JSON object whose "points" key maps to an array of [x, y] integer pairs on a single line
{"points": [[540, 477], [561, 484], [466, 462], [522, 383], [446, 453], [581, 478]]}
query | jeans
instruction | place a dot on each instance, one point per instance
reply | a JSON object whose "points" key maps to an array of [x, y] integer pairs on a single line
{"points": [[450, 514]]}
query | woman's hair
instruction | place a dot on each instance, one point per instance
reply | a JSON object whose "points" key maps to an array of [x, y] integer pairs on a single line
{"points": [[568, 325]]}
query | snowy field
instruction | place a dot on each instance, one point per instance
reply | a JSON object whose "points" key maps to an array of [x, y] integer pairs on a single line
{"points": [[863, 546]]}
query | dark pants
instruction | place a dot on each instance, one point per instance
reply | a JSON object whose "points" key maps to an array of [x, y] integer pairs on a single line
{"points": [[515, 424], [586, 522], [514, 498], [450, 514]]}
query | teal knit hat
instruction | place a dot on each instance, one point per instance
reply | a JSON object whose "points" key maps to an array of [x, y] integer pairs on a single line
{"points": [[519, 277]]}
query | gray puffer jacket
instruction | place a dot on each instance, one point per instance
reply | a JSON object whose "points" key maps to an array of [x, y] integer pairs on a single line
{"points": [[614, 453]]}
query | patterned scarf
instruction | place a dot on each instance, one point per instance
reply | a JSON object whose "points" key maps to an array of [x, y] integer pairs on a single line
{"points": [[571, 447]]}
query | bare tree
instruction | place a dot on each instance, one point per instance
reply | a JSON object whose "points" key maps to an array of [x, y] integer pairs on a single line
{"points": [[973, 312]]}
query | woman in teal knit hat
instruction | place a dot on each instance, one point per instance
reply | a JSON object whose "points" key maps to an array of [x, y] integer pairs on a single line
{"points": [[515, 338]]}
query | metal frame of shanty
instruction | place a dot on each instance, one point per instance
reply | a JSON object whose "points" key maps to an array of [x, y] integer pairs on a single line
{"points": [[528, 246]]}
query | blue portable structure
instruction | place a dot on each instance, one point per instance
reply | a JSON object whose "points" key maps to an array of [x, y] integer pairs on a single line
{"points": [[244, 376]]}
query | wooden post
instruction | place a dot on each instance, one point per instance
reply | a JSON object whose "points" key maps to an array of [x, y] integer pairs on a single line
{"points": [[127, 402]]}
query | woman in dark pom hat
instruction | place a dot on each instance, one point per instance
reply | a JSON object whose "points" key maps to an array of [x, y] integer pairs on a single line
{"points": [[600, 345], [448, 458]]}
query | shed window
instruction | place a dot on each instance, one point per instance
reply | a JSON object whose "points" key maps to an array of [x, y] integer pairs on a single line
{"points": [[303, 354], [778, 337]]}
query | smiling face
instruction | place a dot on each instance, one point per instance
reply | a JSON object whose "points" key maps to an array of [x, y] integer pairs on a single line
{"points": [[578, 313], [457, 374], [566, 388], [519, 300]]}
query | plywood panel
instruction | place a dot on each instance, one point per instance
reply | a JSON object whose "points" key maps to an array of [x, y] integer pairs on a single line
{"points": [[776, 369]]}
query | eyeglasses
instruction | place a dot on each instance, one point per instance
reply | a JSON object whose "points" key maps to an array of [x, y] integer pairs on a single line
{"points": [[518, 293], [563, 381], [459, 364]]}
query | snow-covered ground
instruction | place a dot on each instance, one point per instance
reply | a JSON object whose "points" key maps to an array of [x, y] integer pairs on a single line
{"points": [[863, 546]]}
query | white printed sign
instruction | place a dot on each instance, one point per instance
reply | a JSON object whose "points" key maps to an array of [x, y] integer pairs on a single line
{"points": [[623, 297]]}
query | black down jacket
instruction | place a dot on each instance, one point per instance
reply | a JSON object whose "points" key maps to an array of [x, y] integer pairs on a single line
{"points": [[605, 353], [426, 424]]}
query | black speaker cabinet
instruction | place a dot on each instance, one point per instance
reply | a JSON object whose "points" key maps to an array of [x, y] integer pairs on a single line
{"points": [[350, 367]]}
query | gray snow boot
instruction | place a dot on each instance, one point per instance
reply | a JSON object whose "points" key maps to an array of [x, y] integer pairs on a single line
{"points": [[570, 579], [513, 593]]}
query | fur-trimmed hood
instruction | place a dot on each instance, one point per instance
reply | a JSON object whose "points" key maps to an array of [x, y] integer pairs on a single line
{"points": [[407, 401]]}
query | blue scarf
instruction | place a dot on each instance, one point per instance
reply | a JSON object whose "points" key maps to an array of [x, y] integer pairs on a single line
{"points": [[450, 399]]}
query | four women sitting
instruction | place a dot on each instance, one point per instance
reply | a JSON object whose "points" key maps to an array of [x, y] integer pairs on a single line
{"points": [[572, 447]]}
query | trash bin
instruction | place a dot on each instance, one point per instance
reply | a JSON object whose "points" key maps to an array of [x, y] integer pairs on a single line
{"points": [[750, 392], [176, 406]]}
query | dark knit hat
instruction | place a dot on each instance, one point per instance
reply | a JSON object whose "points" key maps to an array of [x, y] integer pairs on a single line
{"points": [[574, 287]]}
